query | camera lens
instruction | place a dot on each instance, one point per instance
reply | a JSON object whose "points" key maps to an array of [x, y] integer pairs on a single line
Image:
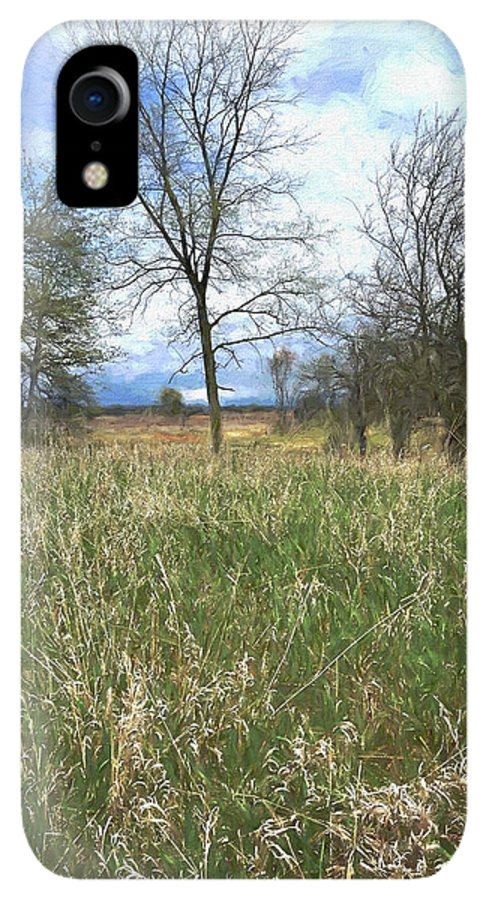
{"points": [[100, 97]]}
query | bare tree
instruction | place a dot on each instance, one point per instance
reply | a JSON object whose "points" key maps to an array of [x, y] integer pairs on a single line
{"points": [[223, 234], [415, 290], [281, 366]]}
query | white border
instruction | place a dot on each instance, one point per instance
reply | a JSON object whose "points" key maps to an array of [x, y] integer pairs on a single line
{"points": [[465, 27]]}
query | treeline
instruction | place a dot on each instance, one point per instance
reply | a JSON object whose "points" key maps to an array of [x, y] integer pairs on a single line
{"points": [[396, 348], [349, 391], [171, 403]]}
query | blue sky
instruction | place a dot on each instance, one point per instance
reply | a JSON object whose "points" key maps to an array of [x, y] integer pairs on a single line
{"points": [[361, 86]]}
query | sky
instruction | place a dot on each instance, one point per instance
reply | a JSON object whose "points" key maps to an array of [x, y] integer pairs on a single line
{"points": [[361, 86]]}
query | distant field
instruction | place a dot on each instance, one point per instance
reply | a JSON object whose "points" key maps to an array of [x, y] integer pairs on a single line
{"points": [[150, 426], [216, 681], [240, 429]]}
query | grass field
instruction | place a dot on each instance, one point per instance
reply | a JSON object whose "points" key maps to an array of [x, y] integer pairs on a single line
{"points": [[243, 668]]}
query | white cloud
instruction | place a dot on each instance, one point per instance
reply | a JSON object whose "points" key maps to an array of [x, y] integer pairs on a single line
{"points": [[194, 395], [406, 82], [407, 66], [38, 145]]}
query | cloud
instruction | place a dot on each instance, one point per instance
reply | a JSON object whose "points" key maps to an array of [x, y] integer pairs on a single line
{"points": [[43, 64], [195, 395], [362, 86], [38, 145], [407, 82]]}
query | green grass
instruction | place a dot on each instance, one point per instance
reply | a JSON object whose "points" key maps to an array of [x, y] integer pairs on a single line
{"points": [[172, 607]]}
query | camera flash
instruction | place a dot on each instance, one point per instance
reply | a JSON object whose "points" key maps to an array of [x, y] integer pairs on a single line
{"points": [[95, 175]]}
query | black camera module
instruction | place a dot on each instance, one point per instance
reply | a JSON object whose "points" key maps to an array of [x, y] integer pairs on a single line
{"points": [[97, 128], [100, 97]]}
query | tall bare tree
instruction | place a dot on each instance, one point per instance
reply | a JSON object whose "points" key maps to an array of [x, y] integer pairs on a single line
{"points": [[224, 237]]}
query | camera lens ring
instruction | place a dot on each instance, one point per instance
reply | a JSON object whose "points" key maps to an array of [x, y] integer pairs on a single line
{"points": [[109, 91]]}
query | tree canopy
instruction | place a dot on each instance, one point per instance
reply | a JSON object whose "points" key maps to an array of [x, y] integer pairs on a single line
{"points": [[66, 323]]}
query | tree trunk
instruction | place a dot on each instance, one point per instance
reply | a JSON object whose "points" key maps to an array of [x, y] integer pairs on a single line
{"points": [[210, 375], [361, 425], [31, 394], [29, 406], [400, 427], [282, 420], [362, 440], [456, 440]]}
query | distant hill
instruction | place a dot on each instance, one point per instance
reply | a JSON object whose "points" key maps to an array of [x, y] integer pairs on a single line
{"points": [[122, 409], [138, 391], [141, 391]]}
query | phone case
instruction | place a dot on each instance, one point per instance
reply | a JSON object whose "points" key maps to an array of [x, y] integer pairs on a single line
{"points": [[243, 419]]}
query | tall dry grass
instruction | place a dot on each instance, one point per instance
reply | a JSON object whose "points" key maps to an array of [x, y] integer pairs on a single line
{"points": [[245, 668]]}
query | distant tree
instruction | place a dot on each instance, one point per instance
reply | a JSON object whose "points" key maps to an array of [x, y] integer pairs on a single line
{"points": [[380, 378], [356, 377], [404, 385], [308, 405], [171, 402], [383, 379], [315, 386], [65, 323], [281, 366]]}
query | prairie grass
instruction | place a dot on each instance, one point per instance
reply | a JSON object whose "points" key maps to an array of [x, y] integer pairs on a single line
{"points": [[216, 683]]}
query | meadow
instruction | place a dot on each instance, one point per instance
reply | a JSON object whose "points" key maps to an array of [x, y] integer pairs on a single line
{"points": [[248, 667]]}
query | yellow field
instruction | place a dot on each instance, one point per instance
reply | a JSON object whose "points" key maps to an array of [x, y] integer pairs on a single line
{"points": [[244, 429]]}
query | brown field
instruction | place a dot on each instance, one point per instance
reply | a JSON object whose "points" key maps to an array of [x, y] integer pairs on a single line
{"points": [[154, 427], [248, 428]]}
